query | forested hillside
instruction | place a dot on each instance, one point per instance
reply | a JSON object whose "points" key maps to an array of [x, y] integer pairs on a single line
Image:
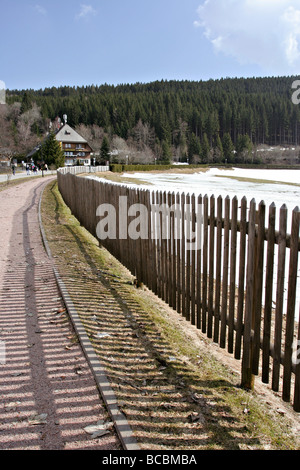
{"points": [[198, 121]]}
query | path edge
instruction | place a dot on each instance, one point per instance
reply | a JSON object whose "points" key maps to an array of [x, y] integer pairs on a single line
{"points": [[121, 424]]}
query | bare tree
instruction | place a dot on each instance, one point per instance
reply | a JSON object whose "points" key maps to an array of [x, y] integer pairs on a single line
{"points": [[92, 134], [28, 139], [143, 135]]}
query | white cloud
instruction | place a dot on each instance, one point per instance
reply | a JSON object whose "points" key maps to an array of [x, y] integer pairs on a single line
{"points": [[85, 12], [261, 32], [41, 10]]}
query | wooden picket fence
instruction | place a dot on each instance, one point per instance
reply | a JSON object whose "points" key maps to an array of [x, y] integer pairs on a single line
{"points": [[217, 262]]}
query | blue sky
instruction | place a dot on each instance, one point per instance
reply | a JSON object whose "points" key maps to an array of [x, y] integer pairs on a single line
{"points": [[53, 43]]}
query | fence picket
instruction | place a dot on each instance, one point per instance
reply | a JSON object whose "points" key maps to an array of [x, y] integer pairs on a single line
{"points": [[204, 263], [232, 286], [268, 295], [258, 285], [199, 258], [218, 270], [290, 316], [183, 276], [241, 281], [178, 256], [247, 379], [279, 297], [296, 405], [188, 258], [225, 274], [211, 265]]}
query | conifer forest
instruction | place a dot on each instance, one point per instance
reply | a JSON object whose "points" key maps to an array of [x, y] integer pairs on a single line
{"points": [[198, 122]]}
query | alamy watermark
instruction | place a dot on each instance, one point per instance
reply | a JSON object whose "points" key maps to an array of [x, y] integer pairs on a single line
{"points": [[2, 353], [2, 92], [167, 222], [296, 94]]}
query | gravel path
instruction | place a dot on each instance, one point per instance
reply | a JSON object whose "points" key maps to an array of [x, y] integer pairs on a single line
{"points": [[48, 395]]}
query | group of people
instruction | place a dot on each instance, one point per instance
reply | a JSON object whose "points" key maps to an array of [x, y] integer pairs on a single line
{"points": [[31, 167]]}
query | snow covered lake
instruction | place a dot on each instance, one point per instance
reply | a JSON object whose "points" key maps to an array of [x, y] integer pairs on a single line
{"points": [[278, 186]]}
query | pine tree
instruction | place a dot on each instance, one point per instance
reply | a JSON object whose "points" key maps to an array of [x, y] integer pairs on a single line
{"points": [[104, 151], [218, 152], [194, 148], [205, 149], [166, 152], [26, 103], [244, 148], [51, 152], [228, 148]]}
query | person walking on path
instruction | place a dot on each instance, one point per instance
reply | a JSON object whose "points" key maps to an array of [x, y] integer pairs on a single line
{"points": [[48, 393]]}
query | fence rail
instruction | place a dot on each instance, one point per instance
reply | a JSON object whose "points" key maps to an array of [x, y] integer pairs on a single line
{"points": [[219, 263]]}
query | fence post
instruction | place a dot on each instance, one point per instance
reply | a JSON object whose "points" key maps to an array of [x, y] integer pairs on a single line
{"points": [[279, 297], [290, 315], [224, 300], [297, 375], [218, 270], [247, 376], [204, 263], [258, 285], [178, 256], [188, 259], [211, 262], [241, 281], [199, 261], [183, 268], [268, 295], [232, 277]]}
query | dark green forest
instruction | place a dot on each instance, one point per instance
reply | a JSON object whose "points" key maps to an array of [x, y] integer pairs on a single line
{"points": [[200, 121]]}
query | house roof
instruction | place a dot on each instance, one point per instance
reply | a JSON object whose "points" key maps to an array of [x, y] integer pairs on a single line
{"points": [[65, 135], [68, 135]]}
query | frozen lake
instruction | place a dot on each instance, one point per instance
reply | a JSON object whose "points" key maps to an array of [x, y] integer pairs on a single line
{"points": [[278, 186]]}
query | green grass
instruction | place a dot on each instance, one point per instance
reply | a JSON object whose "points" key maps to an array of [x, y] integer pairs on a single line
{"points": [[257, 180]]}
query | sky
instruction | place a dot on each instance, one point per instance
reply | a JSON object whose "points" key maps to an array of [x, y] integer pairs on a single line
{"points": [[92, 42]]}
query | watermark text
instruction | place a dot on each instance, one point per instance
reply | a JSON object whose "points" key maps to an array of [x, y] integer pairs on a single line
{"points": [[296, 94], [2, 92], [164, 222], [2, 353]]}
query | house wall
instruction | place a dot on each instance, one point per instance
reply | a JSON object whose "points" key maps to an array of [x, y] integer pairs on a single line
{"points": [[74, 152]]}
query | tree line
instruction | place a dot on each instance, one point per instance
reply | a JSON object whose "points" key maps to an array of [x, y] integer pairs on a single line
{"points": [[200, 122]]}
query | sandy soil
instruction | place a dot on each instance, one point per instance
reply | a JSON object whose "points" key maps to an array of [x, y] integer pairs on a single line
{"points": [[47, 392]]}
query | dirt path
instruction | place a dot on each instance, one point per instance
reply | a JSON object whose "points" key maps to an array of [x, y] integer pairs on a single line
{"points": [[47, 392]]}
